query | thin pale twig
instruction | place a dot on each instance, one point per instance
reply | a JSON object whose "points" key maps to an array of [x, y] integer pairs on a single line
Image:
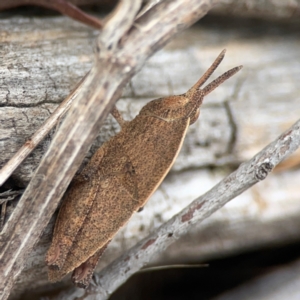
{"points": [[7, 196], [3, 214], [147, 6], [177, 266]]}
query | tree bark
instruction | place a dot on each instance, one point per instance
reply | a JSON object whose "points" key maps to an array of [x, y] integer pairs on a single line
{"points": [[44, 58]]}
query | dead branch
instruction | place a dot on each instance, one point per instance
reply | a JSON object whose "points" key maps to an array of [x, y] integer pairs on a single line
{"points": [[248, 174], [63, 6], [116, 61]]}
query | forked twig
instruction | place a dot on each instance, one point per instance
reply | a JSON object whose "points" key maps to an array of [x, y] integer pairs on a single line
{"points": [[9, 195]]}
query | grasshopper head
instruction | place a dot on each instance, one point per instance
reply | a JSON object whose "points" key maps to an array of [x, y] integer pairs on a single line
{"points": [[196, 95], [187, 105]]}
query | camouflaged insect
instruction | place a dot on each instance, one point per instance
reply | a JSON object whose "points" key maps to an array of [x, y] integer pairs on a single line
{"points": [[119, 179]]}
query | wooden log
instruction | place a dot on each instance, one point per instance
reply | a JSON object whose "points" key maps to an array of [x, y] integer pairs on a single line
{"points": [[44, 58]]}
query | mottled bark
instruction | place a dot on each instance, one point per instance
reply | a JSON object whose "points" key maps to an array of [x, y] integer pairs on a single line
{"points": [[121, 49], [44, 58]]}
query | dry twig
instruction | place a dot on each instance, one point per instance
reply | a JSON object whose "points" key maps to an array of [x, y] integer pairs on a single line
{"points": [[249, 173], [63, 6], [39, 135], [6, 196], [120, 52]]}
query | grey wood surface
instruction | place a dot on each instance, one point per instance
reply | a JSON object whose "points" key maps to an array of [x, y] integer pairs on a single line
{"points": [[43, 58]]}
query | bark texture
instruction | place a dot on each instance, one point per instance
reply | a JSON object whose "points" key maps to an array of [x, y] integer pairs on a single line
{"points": [[42, 59]]}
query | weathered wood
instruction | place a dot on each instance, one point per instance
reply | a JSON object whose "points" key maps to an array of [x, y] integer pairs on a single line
{"points": [[271, 73], [230, 129], [121, 50]]}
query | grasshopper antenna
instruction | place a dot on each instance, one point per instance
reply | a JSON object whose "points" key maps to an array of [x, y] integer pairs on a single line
{"points": [[215, 83], [208, 73]]}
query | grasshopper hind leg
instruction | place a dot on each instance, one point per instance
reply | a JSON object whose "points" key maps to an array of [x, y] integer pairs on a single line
{"points": [[116, 114], [82, 275]]}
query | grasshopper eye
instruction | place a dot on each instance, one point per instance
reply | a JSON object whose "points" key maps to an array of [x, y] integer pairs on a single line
{"points": [[194, 117]]}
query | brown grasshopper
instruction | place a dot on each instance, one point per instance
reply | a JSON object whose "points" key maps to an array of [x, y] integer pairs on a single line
{"points": [[121, 176]]}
